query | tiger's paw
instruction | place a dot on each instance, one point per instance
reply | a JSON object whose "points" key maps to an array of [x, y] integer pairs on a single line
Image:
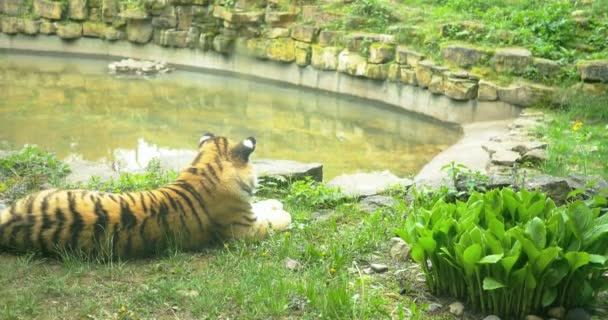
{"points": [[270, 213]]}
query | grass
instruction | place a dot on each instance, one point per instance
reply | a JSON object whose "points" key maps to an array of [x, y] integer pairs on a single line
{"points": [[331, 240], [577, 135]]}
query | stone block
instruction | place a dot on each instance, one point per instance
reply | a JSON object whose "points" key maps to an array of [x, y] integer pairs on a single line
{"points": [[274, 33], [303, 53], [173, 38], [593, 70], [325, 58], [31, 27], [381, 53], [282, 50], [109, 10], [279, 19], [12, 7], [139, 31], [11, 25], [331, 38], [512, 60], [68, 30], [352, 63], [408, 76], [547, 68], [94, 29], [376, 71], [525, 95], [77, 9], [487, 91], [465, 56], [47, 9], [223, 44], [47, 27], [460, 89], [304, 33], [407, 56]]}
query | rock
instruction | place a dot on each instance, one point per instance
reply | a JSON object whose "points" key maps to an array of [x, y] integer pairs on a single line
{"points": [[47, 27], [525, 95], [139, 31], [512, 60], [223, 44], [533, 317], [274, 33], [536, 157], [287, 169], [487, 91], [247, 17], [593, 185], [11, 25], [352, 63], [381, 53], [68, 30], [205, 42], [304, 33], [331, 38], [465, 56], [134, 14], [408, 57], [325, 58], [491, 317], [167, 19], [436, 84], [77, 9], [109, 10], [399, 249], [504, 157], [282, 49], [434, 307], [372, 203], [184, 17], [547, 68], [376, 71], [408, 76], [593, 70], [31, 27], [424, 73], [555, 188], [173, 38], [113, 34], [394, 72], [279, 19], [138, 67], [291, 264], [367, 184], [47, 9], [303, 53], [577, 314], [469, 26], [456, 308], [12, 7], [557, 312], [378, 268], [93, 29], [460, 89]]}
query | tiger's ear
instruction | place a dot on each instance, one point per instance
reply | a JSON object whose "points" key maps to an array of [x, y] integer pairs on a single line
{"points": [[244, 149], [204, 138]]}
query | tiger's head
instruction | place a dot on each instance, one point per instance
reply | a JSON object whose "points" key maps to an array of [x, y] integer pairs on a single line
{"points": [[224, 165]]}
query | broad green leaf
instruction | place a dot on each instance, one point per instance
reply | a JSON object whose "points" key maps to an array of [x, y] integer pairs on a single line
{"points": [[418, 254], [508, 263], [490, 283], [537, 208], [549, 296], [557, 272], [594, 233], [490, 259], [537, 232], [530, 280], [428, 244], [574, 193], [519, 276], [577, 259], [598, 259], [497, 228], [580, 217], [471, 255], [545, 258]]}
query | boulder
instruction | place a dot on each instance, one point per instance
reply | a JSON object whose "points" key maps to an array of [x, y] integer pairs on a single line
{"points": [[593, 70], [436, 85], [547, 68], [535, 157], [134, 14], [205, 41], [223, 44], [184, 17], [367, 184], [525, 95], [173, 38], [424, 73], [47, 9], [408, 76], [504, 157], [113, 34], [465, 56], [358, 40], [593, 185], [372, 203], [381, 53], [399, 249], [303, 53], [77, 9], [69, 30], [287, 169], [460, 89], [274, 33], [167, 19], [376, 71], [94, 29], [109, 10], [282, 50], [31, 27], [279, 19], [487, 91], [11, 25], [139, 31], [325, 58], [331, 38], [12, 7], [512, 60], [407, 56], [556, 188], [257, 47], [304, 33], [394, 72], [247, 17], [47, 27], [352, 63]]}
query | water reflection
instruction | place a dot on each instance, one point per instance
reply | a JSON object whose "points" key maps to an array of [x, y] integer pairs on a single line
{"points": [[72, 107]]}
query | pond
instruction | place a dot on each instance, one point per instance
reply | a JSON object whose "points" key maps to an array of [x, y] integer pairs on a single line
{"points": [[73, 107]]}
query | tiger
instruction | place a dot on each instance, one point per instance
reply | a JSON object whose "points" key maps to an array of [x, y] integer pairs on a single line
{"points": [[209, 201]]}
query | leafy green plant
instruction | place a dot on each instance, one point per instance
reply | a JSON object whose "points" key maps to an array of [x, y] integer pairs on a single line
{"points": [[313, 194], [26, 170], [511, 254]]}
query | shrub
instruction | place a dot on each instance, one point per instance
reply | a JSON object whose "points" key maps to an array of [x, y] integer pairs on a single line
{"points": [[511, 254], [313, 194]]}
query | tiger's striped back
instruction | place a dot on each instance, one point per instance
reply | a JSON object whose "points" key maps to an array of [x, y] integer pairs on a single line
{"points": [[209, 198]]}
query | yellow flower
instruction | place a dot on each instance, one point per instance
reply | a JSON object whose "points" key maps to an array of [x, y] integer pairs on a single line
{"points": [[323, 253], [287, 234], [225, 245], [123, 309], [264, 253], [332, 270], [577, 125]]}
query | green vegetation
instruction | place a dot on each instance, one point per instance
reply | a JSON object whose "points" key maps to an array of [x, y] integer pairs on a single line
{"points": [[25, 171], [577, 135], [511, 254]]}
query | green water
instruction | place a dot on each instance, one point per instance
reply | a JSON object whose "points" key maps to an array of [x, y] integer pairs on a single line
{"points": [[74, 108]]}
